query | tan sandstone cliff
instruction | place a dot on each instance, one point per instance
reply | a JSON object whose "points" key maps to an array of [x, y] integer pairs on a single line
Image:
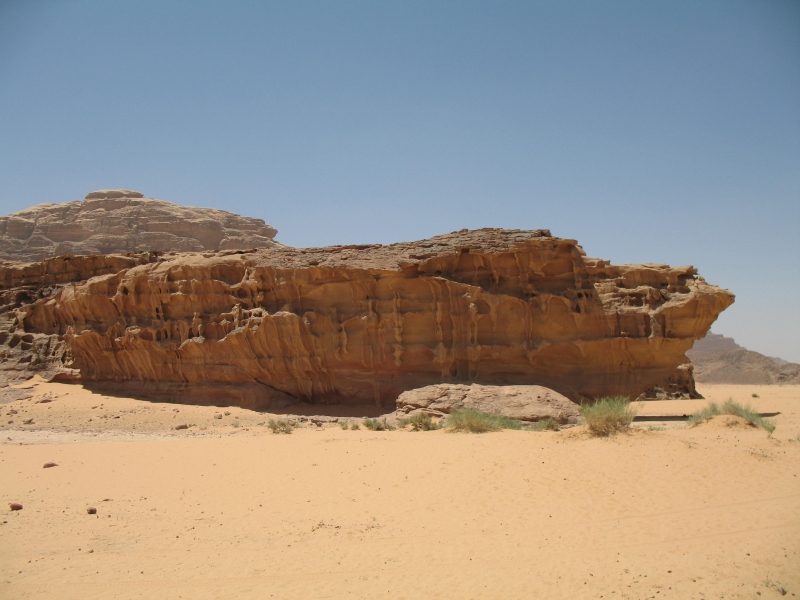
{"points": [[115, 221], [358, 324]]}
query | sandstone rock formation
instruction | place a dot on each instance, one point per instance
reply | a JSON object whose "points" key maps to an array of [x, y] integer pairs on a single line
{"points": [[24, 352], [356, 324], [119, 221], [679, 385], [523, 402]]}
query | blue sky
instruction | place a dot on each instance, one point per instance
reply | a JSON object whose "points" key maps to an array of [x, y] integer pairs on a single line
{"points": [[649, 131]]}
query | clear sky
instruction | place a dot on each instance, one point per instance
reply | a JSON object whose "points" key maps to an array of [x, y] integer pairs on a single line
{"points": [[649, 131]]}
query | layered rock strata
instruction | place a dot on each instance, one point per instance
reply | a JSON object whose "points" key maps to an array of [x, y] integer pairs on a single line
{"points": [[120, 221], [362, 324]]}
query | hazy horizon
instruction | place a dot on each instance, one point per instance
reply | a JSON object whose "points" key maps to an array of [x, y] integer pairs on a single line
{"points": [[665, 133]]}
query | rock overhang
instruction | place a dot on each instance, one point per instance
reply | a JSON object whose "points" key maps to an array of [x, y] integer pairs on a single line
{"points": [[359, 324]]}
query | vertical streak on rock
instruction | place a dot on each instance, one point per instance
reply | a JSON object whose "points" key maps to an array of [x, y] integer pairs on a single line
{"points": [[397, 324], [473, 348]]}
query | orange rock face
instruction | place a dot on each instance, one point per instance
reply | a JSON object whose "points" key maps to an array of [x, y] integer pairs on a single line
{"points": [[363, 324]]}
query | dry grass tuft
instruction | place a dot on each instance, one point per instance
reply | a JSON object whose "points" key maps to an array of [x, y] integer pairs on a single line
{"points": [[548, 424], [420, 422], [730, 407], [475, 421], [608, 415], [378, 425], [280, 426]]}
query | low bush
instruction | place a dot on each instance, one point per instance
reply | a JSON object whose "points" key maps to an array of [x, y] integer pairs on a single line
{"points": [[608, 415], [344, 424], [280, 426], [420, 422], [729, 407], [355, 426], [378, 425], [548, 424], [474, 421]]}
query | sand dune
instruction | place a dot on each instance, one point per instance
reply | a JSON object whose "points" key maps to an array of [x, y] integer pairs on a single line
{"points": [[223, 511]]}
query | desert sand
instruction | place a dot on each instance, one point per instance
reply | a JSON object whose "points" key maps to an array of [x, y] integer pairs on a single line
{"points": [[226, 509]]}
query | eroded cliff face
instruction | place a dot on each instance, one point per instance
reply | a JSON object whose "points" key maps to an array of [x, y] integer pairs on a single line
{"points": [[363, 324]]}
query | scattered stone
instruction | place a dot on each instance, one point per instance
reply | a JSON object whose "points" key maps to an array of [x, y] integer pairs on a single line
{"points": [[28, 422], [92, 511], [15, 506], [227, 413], [182, 426], [218, 416], [48, 465]]}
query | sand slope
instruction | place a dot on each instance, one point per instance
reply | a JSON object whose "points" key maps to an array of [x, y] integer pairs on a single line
{"points": [[708, 512]]}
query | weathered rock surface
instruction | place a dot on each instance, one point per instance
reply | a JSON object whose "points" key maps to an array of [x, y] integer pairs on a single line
{"points": [[680, 384], [120, 221], [23, 352], [356, 324], [523, 402]]}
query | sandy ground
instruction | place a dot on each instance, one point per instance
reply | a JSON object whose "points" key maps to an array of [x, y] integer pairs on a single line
{"points": [[226, 509]]}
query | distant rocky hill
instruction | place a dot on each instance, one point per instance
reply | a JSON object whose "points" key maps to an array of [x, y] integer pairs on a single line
{"points": [[120, 221], [719, 359]]}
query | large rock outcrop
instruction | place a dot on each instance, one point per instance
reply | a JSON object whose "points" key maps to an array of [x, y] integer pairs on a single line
{"points": [[358, 324], [523, 402], [119, 221]]}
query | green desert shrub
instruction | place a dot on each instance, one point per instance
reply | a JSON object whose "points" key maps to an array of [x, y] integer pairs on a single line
{"points": [[548, 424], [474, 421], [280, 426], [729, 407], [608, 415], [344, 424], [420, 422], [378, 425], [355, 426]]}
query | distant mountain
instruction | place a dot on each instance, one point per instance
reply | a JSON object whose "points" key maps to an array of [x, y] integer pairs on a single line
{"points": [[719, 359], [713, 342], [120, 221]]}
